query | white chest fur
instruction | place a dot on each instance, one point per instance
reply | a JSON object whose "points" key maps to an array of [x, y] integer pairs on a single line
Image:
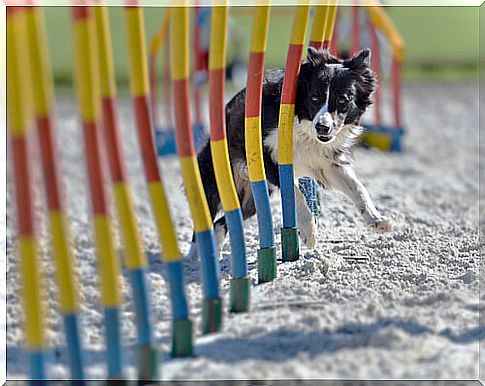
{"points": [[310, 154]]}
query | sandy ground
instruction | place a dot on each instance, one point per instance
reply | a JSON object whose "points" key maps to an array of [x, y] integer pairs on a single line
{"points": [[410, 310]]}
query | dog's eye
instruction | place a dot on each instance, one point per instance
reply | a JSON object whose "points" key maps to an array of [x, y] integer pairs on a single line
{"points": [[315, 98], [342, 100]]}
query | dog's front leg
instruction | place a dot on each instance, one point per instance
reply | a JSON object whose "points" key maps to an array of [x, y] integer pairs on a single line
{"points": [[306, 223], [343, 178]]}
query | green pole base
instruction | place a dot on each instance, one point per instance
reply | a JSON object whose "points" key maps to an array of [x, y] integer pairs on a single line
{"points": [[240, 294], [211, 315], [147, 364], [266, 264], [181, 338], [289, 244]]}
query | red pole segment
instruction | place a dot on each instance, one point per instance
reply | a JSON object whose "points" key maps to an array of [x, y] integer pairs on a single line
{"points": [[199, 69], [334, 42], [396, 91], [355, 30], [376, 64], [153, 89], [167, 87]]}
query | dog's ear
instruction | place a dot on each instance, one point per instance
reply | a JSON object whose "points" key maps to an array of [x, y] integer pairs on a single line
{"points": [[366, 83], [321, 56], [314, 56], [360, 61]]}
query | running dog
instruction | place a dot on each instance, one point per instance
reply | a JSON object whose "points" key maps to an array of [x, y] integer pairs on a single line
{"points": [[332, 96]]}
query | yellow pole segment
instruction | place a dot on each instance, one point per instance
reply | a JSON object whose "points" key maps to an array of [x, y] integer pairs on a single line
{"points": [[161, 37], [319, 24], [218, 39], [300, 22], [106, 67], [330, 21], [136, 41]]}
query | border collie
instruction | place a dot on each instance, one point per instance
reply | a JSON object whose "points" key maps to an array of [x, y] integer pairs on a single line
{"points": [[332, 96]]}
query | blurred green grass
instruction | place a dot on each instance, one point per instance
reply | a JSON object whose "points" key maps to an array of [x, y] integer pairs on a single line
{"points": [[442, 43]]}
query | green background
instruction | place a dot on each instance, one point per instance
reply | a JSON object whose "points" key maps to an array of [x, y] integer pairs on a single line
{"points": [[441, 42]]}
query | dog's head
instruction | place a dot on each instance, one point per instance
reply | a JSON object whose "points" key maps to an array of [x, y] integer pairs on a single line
{"points": [[333, 93]]}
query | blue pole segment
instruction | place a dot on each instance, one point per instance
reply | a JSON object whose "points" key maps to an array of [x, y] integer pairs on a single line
{"points": [[140, 300], [263, 212], [180, 309], [234, 221], [71, 329], [113, 341], [287, 195], [37, 368], [210, 263]]}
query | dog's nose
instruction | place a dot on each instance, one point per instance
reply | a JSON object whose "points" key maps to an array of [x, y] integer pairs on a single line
{"points": [[322, 129]]}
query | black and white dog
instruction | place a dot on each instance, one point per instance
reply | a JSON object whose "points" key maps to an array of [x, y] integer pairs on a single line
{"points": [[332, 95]]}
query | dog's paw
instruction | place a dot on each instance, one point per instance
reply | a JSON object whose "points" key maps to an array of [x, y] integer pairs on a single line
{"points": [[381, 225], [307, 234]]}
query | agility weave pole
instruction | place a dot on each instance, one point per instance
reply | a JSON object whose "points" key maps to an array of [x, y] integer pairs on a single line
{"points": [[179, 56], [240, 284], [355, 30], [88, 99], [376, 66], [164, 135], [43, 105], [254, 144], [320, 37], [182, 326], [199, 75], [385, 137], [159, 40], [289, 232], [20, 125], [323, 25]]}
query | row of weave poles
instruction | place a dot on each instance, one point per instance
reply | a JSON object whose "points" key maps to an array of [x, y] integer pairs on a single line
{"points": [[30, 103], [370, 28]]}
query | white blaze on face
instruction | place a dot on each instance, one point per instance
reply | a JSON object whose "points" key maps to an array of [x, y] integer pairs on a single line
{"points": [[323, 117]]}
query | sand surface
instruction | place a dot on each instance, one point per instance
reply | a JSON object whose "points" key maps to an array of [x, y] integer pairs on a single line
{"points": [[408, 310]]}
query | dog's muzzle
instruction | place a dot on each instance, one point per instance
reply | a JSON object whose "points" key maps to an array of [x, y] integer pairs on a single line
{"points": [[324, 126]]}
